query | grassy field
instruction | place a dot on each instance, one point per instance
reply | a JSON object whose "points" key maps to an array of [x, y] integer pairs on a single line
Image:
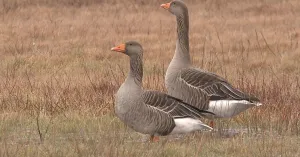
{"points": [[58, 76]]}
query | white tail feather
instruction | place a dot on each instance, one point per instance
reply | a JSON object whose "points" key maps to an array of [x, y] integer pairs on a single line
{"points": [[187, 125], [229, 108]]}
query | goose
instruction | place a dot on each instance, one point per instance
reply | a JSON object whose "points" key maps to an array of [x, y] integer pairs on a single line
{"points": [[202, 89], [152, 112]]}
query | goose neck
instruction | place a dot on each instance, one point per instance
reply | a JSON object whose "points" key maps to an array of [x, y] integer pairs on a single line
{"points": [[182, 44], [136, 70]]}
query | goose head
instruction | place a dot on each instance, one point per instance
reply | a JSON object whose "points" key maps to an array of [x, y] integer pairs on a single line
{"points": [[130, 48], [176, 7]]}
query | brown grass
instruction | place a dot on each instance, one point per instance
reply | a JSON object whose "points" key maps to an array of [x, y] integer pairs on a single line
{"points": [[56, 62]]}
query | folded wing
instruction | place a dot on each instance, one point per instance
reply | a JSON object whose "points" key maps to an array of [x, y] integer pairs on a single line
{"points": [[172, 106], [213, 85]]}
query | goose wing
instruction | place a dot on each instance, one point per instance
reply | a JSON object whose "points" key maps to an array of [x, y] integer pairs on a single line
{"points": [[213, 85], [171, 105]]}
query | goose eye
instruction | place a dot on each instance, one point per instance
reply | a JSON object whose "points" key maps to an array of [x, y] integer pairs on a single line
{"points": [[130, 44]]}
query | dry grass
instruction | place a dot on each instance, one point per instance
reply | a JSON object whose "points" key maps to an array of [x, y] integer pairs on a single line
{"points": [[73, 135], [56, 69]]}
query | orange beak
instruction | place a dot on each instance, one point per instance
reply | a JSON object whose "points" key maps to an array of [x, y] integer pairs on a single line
{"points": [[120, 48], [166, 6]]}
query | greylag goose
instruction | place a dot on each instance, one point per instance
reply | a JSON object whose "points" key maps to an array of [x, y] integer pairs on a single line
{"points": [[152, 112], [202, 89]]}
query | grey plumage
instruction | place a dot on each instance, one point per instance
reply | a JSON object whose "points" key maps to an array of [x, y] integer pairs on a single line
{"points": [[171, 105], [214, 86], [195, 86], [148, 112]]}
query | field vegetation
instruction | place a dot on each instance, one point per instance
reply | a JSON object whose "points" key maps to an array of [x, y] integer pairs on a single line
{"points": [[58, 76]]}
